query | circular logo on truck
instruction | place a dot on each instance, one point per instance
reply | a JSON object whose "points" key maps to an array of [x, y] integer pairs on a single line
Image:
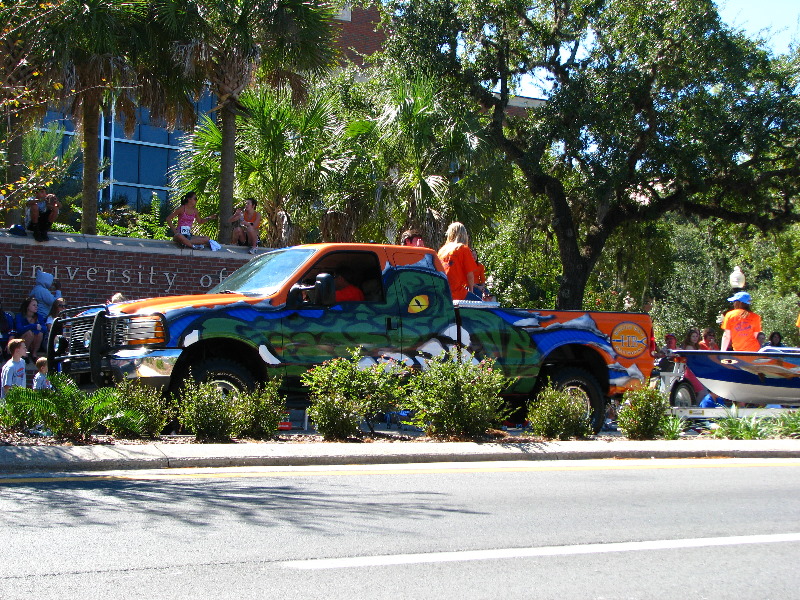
{"points": [[629, 340]]}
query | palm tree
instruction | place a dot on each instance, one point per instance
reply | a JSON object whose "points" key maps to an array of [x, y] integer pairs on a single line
{"points": [[433, 153], [230, 42], [283, 160], [94, 42]]}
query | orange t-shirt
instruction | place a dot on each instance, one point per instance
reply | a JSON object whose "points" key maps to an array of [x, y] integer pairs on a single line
{"points": [[480, 275], [350, 293], [458, 262], [743, 325]]}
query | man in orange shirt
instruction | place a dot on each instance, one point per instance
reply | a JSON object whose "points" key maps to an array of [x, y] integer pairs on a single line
{"points": [[346, 291], [741, 325]]}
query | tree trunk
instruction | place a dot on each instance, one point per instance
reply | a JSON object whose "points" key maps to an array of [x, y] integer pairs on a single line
{"points": [[227, 163], [14, 175], [336, 226], [91, 160], [573, 284]]}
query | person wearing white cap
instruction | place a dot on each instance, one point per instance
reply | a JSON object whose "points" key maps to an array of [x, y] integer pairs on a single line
{"points": [[741, 325]]}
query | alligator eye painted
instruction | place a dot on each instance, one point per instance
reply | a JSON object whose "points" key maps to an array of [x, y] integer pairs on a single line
{"points": [[418, 303]]}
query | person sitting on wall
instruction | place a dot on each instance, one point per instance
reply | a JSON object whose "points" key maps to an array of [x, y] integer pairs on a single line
{"points": [[43, 209], [186, 214], [247, 220]]}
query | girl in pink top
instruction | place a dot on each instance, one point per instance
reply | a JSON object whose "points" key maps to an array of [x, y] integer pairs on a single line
{"points": [[186, 214]]}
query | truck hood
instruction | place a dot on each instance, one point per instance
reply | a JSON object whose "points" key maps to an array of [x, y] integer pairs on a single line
{"points": [[168, 304]]}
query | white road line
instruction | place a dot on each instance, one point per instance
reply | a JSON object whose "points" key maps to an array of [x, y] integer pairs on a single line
{"points": [[503, 553]]}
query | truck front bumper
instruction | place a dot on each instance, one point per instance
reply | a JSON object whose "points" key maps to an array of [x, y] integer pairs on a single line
{"points": [[152, 367]]}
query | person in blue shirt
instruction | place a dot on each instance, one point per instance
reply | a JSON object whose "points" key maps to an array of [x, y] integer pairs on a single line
{"points": [[13, 372], [6, 330], [46, 289], [30, 326]]}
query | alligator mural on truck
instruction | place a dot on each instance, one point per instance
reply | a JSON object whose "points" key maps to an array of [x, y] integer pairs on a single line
{"points": [[278, 316]]}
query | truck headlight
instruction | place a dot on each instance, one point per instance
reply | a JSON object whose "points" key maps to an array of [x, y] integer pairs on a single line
{"points": [[147, 329]]}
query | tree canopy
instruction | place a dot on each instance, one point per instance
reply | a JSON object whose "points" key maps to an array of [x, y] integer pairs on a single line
{"points": [[651, 106]]}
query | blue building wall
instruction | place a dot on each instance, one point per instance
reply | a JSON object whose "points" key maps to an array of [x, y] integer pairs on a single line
{"points": [[139, 166]]}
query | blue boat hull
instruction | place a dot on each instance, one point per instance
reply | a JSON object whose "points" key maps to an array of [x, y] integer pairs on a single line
{"points": [[769, 377]]}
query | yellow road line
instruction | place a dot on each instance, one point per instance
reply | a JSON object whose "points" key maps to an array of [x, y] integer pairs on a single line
{"points": [[600, 465]]}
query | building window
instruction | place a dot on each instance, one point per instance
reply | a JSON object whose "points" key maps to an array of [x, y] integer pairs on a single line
{"points": [[345, 13]]}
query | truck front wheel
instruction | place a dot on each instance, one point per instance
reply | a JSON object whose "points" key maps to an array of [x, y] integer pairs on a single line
{"points": [[572, 378], [229, 376]]}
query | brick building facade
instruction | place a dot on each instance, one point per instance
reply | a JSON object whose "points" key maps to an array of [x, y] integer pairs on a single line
{"points": [[92, 268], [358, 34]]}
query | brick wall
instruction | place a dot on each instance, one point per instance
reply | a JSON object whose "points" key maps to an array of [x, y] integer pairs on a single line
{"points": [[359, 33], [92, 268]]}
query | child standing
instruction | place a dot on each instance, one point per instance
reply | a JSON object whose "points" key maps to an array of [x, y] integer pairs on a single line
{"points": [[40, 381], [13, 372]]}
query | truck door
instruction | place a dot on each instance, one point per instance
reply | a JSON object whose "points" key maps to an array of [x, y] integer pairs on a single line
{"points": [[422, 295], [314, 334]]}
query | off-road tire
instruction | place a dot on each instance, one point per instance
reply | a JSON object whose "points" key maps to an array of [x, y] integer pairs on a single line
{"points": [[587, 385], [229, 375]]}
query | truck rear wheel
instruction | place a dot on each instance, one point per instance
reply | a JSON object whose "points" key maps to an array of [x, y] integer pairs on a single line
{"points": [[229, 376], [573, 378]]}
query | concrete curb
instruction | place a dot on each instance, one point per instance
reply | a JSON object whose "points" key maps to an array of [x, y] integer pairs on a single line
{"points": [[17, 459]]}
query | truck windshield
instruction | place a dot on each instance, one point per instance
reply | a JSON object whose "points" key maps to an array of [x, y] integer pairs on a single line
{"points": [[266, 274]]}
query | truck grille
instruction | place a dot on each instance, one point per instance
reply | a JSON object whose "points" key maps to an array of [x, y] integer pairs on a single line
{"points": [[76, 330]]}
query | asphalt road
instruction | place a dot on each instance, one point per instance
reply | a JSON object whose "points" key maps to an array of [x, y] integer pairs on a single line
{"points": [[582, 529]]}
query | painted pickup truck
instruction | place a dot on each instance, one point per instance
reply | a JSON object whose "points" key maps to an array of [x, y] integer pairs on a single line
{"points": [[278, 316]]}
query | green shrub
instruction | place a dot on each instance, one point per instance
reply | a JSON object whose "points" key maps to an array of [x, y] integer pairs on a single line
{"points": [[454, 396], [261, 411], [343, 394], [734, 427], [69, 412], [8, 420], [336, 417], [672, 427], [386, 387], [786, 425], [643, 414], [559, 414], [208, 412], [152, 405]]}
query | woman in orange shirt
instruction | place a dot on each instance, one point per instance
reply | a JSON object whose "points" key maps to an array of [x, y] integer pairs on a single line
{"points": [[741, 325], [459, 266]]}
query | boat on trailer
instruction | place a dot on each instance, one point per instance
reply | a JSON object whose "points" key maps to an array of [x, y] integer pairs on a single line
{"points": [[771, 376]]}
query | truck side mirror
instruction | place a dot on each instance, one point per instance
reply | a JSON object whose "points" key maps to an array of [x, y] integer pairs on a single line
{"points": [[324, 290], [295, 296]]}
